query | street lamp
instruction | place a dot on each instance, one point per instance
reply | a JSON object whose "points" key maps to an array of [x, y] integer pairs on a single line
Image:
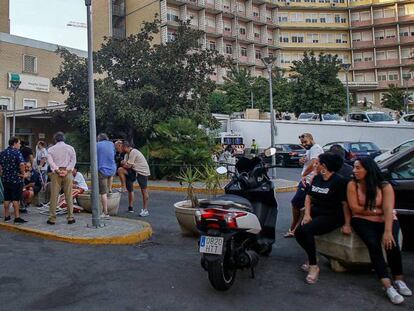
{"points": [[92, 123], [406, 78], [251, 94], [268, 62], [14, 84], [346, 67]]}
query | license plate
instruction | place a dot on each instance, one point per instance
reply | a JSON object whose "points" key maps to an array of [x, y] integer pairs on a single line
{"points": [[211, 245]]}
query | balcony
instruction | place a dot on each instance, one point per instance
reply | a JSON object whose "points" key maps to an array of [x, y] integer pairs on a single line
{"points": [[407, 61], [388, 63], [364, 65], [227, 33], [406, 18], [385, 84], [210, 29], [386, 41], [382, 21], [362, 44], [408, 39], [360, 23]]}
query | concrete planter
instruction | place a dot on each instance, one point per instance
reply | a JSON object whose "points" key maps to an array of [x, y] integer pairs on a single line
{"points": [[84, 200], [186, 217]]}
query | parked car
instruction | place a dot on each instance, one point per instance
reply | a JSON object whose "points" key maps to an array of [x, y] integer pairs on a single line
{"points": [[407, 119], [289, 154], [327, 117], [400, 147], [399, 171], [356, 149], [377, 117]]}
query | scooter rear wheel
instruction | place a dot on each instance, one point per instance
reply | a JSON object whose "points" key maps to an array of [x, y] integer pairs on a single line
{"points": [[221, 276]]}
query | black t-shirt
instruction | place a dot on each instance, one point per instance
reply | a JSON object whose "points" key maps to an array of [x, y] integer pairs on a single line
{"points": [[118, 158], [26, 153], [346, 171], [327, 195]]}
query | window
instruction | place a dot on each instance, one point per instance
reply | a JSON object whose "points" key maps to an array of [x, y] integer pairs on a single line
{"points": [[227, 28], [365, 16], [404, 31], [367, 36], [171, 36], [390, 33], [5, 103], [406, 75], [357, 57], [357, 36], [257, 35], [29, 64], [51, 103], [404, 168], [379, 34], [211, 21], [368, 56], [296, 17], [392, 76], [313, 38], [212, 45], [258, 54], [283, 18], [381, 55], [243, 51], [297, 38], [229, 49], [392, 54], [255, 14], [378, 14], [389, 12], [29, 103], [284, 38], [382, 76], [355, 17], [405, 53], [242, 31], [172, 16]]}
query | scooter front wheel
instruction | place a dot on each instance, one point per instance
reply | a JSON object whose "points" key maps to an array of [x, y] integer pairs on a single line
{"points": [[221, 275]]}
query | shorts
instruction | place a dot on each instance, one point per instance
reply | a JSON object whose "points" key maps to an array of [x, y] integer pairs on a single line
{"points": [[13, 192], [103, 183], [298, 200], [132, 176]]}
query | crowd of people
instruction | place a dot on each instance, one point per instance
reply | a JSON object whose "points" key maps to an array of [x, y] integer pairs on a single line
{"points": [[53, 170], [332, 194]]}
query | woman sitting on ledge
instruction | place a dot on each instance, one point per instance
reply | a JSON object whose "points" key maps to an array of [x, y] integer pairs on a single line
{"points": [[371, 200], [325, 209]]}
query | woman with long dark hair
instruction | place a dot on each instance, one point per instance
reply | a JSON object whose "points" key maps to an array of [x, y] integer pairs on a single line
{"points": [[371, 200], [325, 209]]}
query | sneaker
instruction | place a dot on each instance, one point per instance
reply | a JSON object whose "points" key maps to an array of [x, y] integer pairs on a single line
{"points": [[402, 288], [393, 295], [19, 220], [6, 219], [105, 216], [130, 209], [23, 210], [71, 221], [144, 213]]}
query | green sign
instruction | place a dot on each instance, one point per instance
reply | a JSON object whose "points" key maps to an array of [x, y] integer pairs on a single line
{"points": [[14, 77]]}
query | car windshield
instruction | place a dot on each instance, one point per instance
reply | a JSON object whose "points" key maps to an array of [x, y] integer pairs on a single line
{"points": [[305, 116], [378, 117], [328, 117], [363, 147]]}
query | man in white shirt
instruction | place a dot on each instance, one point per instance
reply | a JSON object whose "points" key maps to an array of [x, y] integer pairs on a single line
{"points": [[313, 151], [79, 181]]}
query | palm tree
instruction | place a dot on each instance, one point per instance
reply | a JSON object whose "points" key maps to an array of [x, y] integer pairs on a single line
{"points": [[393, 98]]}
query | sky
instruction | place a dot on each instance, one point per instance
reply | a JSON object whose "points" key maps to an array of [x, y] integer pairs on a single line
{"points": [[46, 20]]}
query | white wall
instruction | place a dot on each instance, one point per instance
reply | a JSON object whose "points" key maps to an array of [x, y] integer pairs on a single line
{"points": [[385, 136]]}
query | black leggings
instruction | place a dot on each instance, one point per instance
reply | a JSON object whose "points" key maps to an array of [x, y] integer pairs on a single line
{"points": [[371, 233], [305, 235]]}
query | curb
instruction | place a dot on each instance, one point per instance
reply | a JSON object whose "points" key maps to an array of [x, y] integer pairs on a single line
{"points": [[132, 238]]}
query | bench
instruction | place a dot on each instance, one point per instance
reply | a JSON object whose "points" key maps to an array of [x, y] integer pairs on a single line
{"points": [[344, 251]]}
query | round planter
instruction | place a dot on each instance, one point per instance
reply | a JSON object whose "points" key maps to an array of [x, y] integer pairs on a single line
{"points": [[84, 200], [186, 217]]}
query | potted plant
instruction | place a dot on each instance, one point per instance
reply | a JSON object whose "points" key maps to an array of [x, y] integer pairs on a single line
{"points": [[185, 210], [84, 200]]}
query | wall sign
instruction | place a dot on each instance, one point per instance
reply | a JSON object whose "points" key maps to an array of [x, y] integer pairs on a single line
{"points": [[32, 83]]}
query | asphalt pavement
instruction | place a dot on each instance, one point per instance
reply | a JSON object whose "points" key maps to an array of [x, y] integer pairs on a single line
{"points": [[164, 273]]}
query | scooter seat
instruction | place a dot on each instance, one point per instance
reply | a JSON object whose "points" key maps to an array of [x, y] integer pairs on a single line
{"points": [[229, 200]]}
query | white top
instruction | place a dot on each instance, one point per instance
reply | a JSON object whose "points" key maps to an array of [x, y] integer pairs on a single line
{"points": [[41, 154], [79, 180], [311, 154], [138, 162]]}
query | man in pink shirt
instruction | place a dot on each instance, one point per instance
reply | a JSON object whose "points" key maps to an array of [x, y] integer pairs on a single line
{"points": [[62, 160]]}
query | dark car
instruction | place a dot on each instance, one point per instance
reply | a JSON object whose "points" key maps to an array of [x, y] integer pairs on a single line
{"points": [[289, 154], [399, 171], [355, 149]]}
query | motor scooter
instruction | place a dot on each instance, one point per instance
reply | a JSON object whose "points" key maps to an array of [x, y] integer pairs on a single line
{"points": [[239, 226]]}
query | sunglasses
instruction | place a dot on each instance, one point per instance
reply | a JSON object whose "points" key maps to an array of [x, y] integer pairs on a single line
{"points": [[302, 136]]}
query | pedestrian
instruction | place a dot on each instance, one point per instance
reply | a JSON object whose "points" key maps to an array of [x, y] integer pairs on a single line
{"points": [[106, 169], [62, 160], [27, 152], [254, 148], [32, 186], [313, 150], [346, 170], [325, 210], [371, 200], [12, 166], [119, 157], [40, 162], [135, 167], [79, 181]]}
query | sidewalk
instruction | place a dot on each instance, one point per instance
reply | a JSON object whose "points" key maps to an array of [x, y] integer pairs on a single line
{"points": [[116, 230]]}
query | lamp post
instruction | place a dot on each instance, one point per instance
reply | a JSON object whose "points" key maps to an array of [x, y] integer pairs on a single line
{"points": [[346, 68], [251, 94], [14, 84], [268, 62], [406, 94], [92, 123]]}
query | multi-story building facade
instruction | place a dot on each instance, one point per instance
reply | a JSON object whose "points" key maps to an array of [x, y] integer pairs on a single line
{"points": [[375, 36]]}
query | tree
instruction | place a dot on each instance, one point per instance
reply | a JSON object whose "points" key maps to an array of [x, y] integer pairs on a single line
{"points": [[393, 98], [176, 143], [316, 87], [140, 84], [217, 102]]}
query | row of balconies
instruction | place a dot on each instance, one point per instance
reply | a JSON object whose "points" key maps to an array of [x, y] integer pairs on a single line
{"points": [[364, 65], [382, 42]]}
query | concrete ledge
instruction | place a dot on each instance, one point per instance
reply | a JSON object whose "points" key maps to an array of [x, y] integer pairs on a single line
{"points": [[115, 231]]}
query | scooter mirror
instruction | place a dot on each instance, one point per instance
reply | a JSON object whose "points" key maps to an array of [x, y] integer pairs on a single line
{"points": [[221, 170], [269, 152]]}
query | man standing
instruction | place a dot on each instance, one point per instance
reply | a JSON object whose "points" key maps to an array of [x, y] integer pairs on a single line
{"points": [[106, 169], [62, 160], [135, 167], [13, 167], [313, 150]]}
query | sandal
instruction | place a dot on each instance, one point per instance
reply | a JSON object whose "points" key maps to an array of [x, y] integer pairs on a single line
{"points": [[305, 267], [289, 234], [312, 276]]}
